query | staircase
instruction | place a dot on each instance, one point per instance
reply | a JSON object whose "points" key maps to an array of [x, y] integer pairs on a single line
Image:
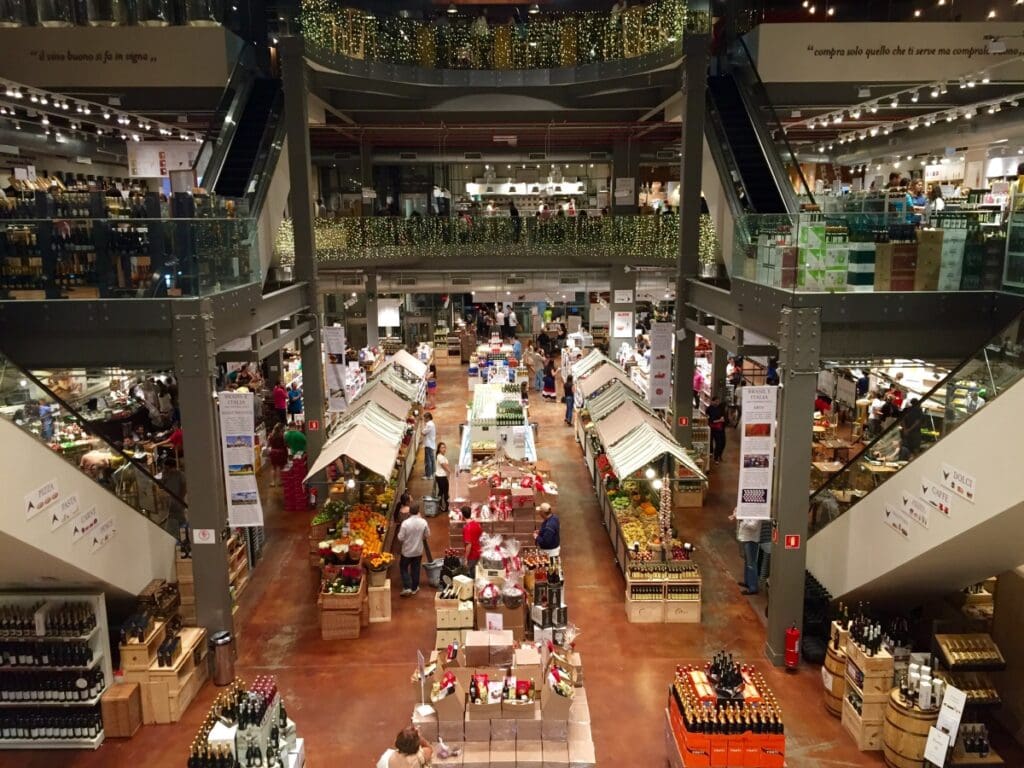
{"points": [[949, 517]]}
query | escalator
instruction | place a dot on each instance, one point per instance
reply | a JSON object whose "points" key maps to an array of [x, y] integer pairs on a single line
{"points": [[935, 500], [78, 508], [240, 161]]}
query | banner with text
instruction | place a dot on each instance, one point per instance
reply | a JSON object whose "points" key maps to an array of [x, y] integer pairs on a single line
{"points": [[335, 367], [659, 377], [237, 434], [757, 452]]}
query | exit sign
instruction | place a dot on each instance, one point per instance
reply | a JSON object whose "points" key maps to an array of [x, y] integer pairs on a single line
{"points": [[792, 541]]}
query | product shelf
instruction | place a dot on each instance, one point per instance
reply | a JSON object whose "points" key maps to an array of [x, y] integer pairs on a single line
{"points": [[92, 743], [56, 704], [96, 659]]}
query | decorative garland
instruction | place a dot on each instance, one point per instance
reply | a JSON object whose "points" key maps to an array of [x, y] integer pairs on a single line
{"points": [[541, 41], [389, 238]]}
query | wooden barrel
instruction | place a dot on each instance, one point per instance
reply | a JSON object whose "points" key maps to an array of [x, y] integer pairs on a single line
{"points": [[835, 665], [905, 732]]}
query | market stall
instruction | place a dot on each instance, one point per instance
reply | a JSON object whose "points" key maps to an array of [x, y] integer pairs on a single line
{"points": [[412, 366], [497, 417], [409, 389]]}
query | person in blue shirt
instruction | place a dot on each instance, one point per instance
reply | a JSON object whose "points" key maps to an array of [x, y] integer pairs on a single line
{"points": [[294, 401], [917, 201], [547, 537], [517, 350], [45, 420]]}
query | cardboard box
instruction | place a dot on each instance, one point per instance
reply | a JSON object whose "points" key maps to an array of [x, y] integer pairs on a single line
{"points": [[500, 648], [427, 725], [478, 648], [452, 731], [503, 753], [581, 754], [511, 618], [444, 603], [476, 755], [579, 731], [556, 755], [929, 259], [503, 728], [483, 712], [452, 706], [121, 707], [529, 754], [446, 637], [477, 730], [579, 712], [523, 711], [523, 498], [553, 730], [530, 729]]}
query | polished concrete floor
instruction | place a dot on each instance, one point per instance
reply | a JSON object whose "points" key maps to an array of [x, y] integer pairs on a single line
{"points": [[349, 697]]}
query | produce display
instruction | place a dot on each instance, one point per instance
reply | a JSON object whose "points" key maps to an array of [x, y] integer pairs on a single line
{"points": [[638, 520], [348, 582]]}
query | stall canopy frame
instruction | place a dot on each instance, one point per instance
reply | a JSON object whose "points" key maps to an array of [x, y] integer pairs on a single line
{"points": [[377, 392], [414, 392], [601, 377], [645, 445], [624, 420], [611, 397], [585, 365], [410, 363], [369, 436]]}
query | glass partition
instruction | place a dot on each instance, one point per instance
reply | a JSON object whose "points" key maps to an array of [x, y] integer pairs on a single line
{"points": [[871, 251], [142, 469], [125, 258], [334, 31]]}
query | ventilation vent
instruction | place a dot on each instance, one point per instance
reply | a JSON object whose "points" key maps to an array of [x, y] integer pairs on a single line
{"points": [[406, 155], [405, 281], [515, 281], [352, 280], [598, 155], [568, 280], [473, 156], [667, 154], [538, 156], [462, 281]]}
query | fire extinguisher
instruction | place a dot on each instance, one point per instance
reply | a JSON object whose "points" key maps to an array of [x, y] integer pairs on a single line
{"points": [[312, 498], [792, 647]]}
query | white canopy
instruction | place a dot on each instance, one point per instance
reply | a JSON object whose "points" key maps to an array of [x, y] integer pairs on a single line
{"points": [[585, 365], [411, 391], [624, 420], [369, 436], [377, 392], [644, 445], [410, 363], [604, 375], [611, 397]]}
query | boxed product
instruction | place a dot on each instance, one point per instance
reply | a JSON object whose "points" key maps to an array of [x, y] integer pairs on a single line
{"points": [[476, 755], [448, 698], [478, 648], [503, 729], [556, 754], [452, 731], [530, 729], [929, 259], [500, 649], [427, 725], [503, 753], [477, 730], [529, 753], [581, 754], [553, 730]]}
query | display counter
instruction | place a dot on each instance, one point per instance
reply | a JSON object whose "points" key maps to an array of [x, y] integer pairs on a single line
{"points": [[497, 418]]}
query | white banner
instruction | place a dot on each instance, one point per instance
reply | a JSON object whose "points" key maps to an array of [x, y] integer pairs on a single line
{"points": [[237, 434], [623, 328], [659, 379], [335, 368], [156, 159], [757, 452]]}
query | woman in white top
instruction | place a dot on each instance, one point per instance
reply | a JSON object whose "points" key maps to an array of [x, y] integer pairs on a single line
{"points": [[441, 475], [935, 204], [411, 750]]}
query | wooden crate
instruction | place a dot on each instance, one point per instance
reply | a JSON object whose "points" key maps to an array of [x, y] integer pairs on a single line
{"points": [[339, 625], [682, 611], [348, 602], [183, 568], [171, 689], [187, 610], [121, 706], [867, 736], [645, 611], [136, 656], [380, 602]]}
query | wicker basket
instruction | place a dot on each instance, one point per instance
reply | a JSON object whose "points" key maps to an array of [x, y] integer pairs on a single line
{"points": [[340, 625], [346, 602]]}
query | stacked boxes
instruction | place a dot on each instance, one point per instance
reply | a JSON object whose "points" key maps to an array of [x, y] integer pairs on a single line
{"points": [[379, 602], [929, 259], [823, 257], [868, 680], [342, 616], [454, 618], [860, 271], [166, 691]]}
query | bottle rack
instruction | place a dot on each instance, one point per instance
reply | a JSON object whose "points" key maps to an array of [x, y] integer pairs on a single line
{"points": [[238, 565], [66, 713], [868, 683], [661, 592]]}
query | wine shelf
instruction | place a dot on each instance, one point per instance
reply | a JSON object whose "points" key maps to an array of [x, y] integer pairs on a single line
{"points": [[96, 659], [92, 743], [54, 704], [970, 652]]}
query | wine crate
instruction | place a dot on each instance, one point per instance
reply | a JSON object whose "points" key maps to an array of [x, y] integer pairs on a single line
{"points": [[136, 656], [970, 652], [347, 602], [121, 707], [838, 636], [187, 610], [380, 602], [167, 691], [871, 666], [867, 736], [191, 652], [645, 611], [183, 569], [682, 611]]}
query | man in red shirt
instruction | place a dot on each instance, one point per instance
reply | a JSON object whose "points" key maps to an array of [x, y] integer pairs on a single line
{"points": [[471, 532]]}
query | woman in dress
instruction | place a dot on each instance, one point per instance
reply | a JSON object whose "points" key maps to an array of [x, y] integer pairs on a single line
{"points": [[549, 392]]}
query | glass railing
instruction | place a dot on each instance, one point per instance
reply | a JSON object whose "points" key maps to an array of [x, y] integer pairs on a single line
{"points": [[856, 252], [977, 381], [653, 238], [81, 258], [333, 31], [136, 468]]}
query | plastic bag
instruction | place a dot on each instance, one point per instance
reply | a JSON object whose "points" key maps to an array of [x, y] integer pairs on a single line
{"points": [[492, 556]]}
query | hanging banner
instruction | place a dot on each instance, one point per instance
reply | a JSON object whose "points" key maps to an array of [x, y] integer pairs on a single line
{"points": [[757, 452], [237, 434], [623, 328], [335, 367], [659, 378]]}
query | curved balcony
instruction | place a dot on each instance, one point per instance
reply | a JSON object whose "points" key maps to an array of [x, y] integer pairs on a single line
{"points": [[558, 242], [541, 49]]}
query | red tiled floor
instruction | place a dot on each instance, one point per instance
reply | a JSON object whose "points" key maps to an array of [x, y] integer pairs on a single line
{"points": [[349, 697]]}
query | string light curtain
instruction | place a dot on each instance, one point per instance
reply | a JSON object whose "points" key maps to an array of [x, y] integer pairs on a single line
{"points": [[539, 41], [387, 238]]}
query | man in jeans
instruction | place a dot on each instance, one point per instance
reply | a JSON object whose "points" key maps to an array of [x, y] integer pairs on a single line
{"points": [[748, 533], [716, 424], [412, 535], [429, 445]]}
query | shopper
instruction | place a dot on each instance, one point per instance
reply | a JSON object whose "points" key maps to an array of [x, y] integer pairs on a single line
{"points": [[569, 396], [499, 322], [716, 423], [916, 201], [513, 321], [748, 533], [295, 403], [411, 750], [910, 429], [295, 439], [876, 412], [281, 402], [517, 349], [175, 441], [549, 392], [412, 535], [174, 480], [698, 385], [278, 453], [517, 221], [429, 435], [45, 420], [441, 476], [548, 536], [321, 209], [935, 204], [771, 378], [471, 533], [538, 370]]}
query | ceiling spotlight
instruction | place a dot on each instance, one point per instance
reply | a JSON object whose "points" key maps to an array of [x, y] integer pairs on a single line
{"points": [[855, 114], [135, 137], [534, 9], [992, 13], [950, 117], [887, 130], [812, 9], [943, 90], [64, 106], [896, 164], [935, 92], [43, 101], [874, 131], [831, 11], [873, 109], [86, 110], [969, 114], [971, 82], [917, 14], [34, 99], [915, 97], [821, 150], [17, 125], [895, 102], [78, 108], [3, 110], [45, 120], [838, 118], [18, 94], [985, 79], [912, 127]]}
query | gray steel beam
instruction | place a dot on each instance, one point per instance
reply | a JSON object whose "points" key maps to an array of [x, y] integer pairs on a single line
{"points": [[194, 369], [283, 339], [799, 360], [694, 73], [296, 114], [712, 335]]}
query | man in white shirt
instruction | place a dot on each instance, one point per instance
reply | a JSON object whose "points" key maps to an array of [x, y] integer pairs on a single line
{"points": [[412, 535], [748, 533], [500, 318], [513, 321], [875, 414], [429, 445]]}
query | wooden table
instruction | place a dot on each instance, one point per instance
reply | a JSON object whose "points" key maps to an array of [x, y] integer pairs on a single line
{"points": [[818, 431], [828, 467], [840, 449]]}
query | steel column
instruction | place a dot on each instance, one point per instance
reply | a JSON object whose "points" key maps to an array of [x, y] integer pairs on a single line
{"points": [[720, 357], [621, 280], [296, 113], [195, 371], [372, 329], [799, 359], [694, 74]]}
